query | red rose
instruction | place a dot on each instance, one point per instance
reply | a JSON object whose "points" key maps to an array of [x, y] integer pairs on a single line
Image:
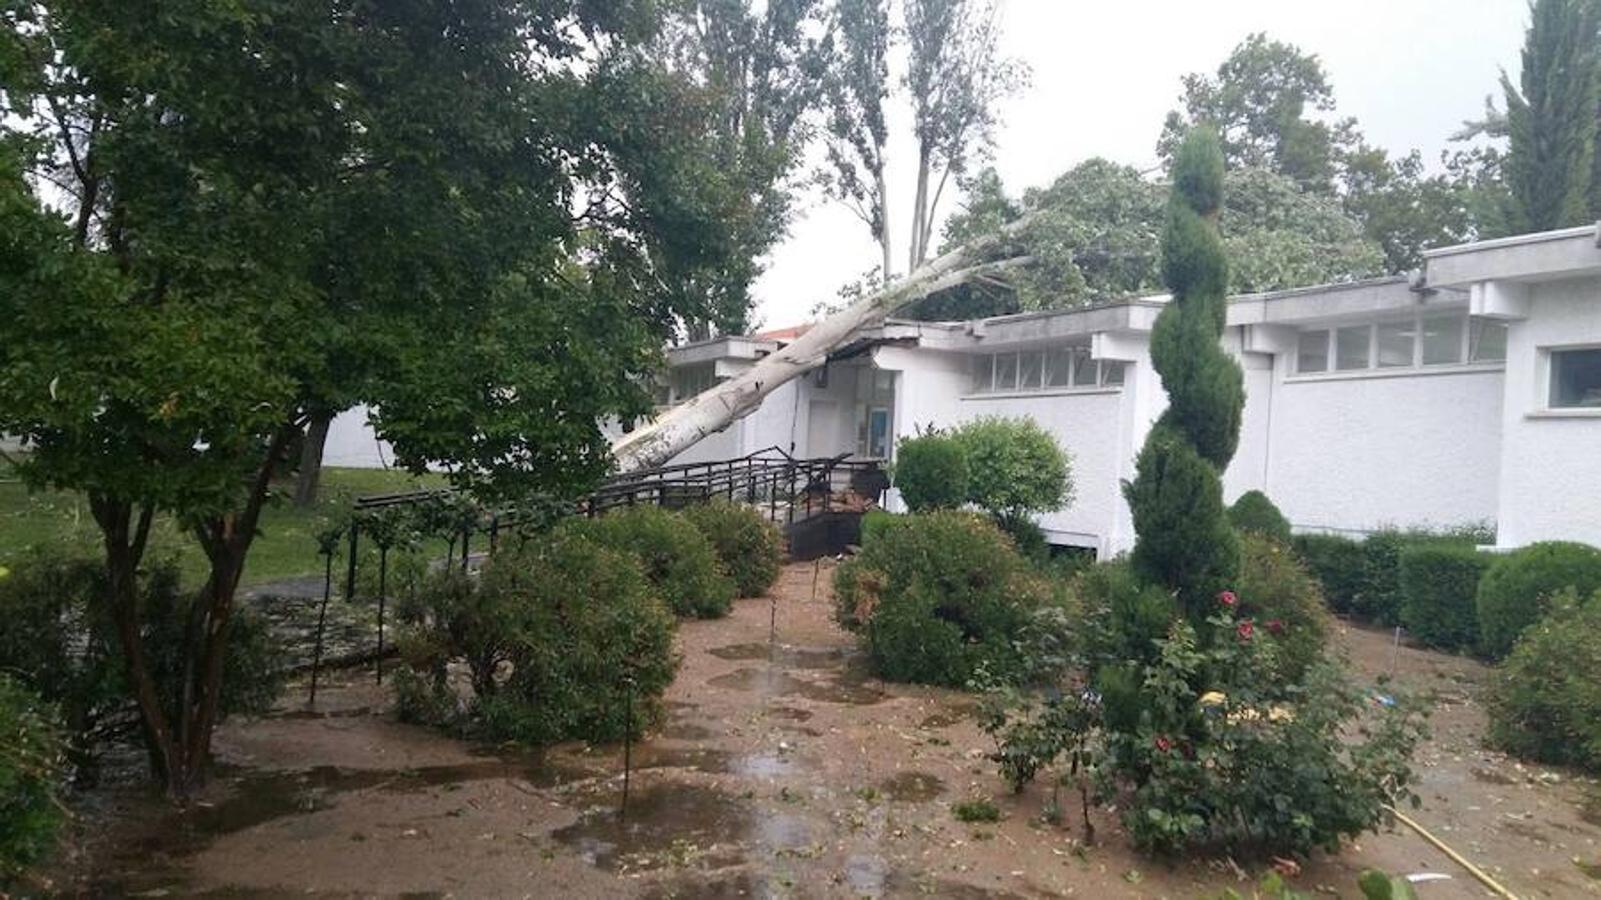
{"points": [[1245, 630], [1228, 599], [1275, 626], [1163, 744]]}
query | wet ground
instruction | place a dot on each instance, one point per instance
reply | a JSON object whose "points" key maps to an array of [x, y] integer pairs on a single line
{"points": [[782, 770]]}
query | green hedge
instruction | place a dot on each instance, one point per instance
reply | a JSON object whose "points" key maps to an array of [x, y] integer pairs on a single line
{"points": [[1545, 700], [1438, 585], [678, 561], [750, 547], [1516, 591], [1338, 563]]}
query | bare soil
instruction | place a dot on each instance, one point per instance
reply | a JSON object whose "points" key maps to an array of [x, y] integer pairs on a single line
{"points": [[783, 769]]}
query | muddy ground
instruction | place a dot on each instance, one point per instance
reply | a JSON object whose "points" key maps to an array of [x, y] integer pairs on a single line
{"points": [[782, 770]]}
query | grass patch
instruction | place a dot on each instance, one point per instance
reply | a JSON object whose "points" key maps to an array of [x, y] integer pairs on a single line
{"points": [[976, 811], [284, 549]]}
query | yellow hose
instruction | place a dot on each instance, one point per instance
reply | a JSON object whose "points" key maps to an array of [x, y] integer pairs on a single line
{"points": [[1484, 878]]}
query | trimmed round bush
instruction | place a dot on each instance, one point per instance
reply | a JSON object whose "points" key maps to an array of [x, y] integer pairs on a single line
{"points": [[32, 768], [1014, 466], [1254, 512], [750, 547], [1516, 590], [937, 596], [931, 473], [678, 561], [1545, 700], [1438, 585], [1337, 562], [560, 638], [1284, 599]]}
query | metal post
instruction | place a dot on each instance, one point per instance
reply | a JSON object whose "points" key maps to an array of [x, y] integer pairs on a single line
{"points": [[628, 739], [494, 532], [350, 570], [383, 591], [322, 620], [466, 538]]}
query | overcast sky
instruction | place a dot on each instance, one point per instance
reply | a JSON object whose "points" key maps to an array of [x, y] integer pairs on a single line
{"points": [[1105, 73]]}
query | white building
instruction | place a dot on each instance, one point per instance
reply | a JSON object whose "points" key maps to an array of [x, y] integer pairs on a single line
{"points": [[1470, 394]]}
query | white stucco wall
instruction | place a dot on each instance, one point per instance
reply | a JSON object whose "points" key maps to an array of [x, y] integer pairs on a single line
{"points": [[1356, 453], [1550, 484]]}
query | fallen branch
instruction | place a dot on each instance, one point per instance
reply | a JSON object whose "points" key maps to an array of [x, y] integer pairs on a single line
{"points": [[715, 409]]}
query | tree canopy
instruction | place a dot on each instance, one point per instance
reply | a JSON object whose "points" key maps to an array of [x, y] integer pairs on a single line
{"points": [[482, 219], [1552, 120]]}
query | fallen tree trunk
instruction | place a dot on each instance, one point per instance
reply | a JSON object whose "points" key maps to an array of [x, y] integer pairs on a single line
{"points": [[715, 409]]}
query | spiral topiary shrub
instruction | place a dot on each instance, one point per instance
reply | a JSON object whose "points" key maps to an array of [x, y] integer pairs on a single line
{"points": [[1253, 512], [1545, 699], [1516, 590], [677, 559], [931, 472], [750, 547], [936, 596]]}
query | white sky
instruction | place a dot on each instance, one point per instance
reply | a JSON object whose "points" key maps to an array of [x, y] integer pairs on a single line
{"points": [[1105, 73]]}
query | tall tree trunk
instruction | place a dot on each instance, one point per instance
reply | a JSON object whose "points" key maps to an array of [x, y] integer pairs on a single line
{"points": [[885, 233], [311, 450], [917, 252], [715, 409]]}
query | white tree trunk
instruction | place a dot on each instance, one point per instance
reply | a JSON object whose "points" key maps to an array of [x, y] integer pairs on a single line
{"points": [[715, 409], [884, 242]]}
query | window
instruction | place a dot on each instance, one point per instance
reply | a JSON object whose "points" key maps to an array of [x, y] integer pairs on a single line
{"points": [[1351, 347], [1059, 368], [983, 374], [691, 380], [1576, 379], [1394, 343], [1036, 370], [1030, 366], [1006, 371], [1083, 368], [1442, 340], [1486, 341], [1312, 352]]}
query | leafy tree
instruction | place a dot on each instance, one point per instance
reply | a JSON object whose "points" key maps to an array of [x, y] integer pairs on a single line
{"points": [[749, 74], [201, 247], [1092, 236], [1263, 103], [858, 129], [1184, 539], [1552, 120], [954, 78]]}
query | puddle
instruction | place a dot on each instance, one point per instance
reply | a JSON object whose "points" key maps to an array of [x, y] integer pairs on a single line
{"points": [[912, 787], [781, 684], [785, 655], [685, 731], [792, 713], [303, 714], [668, 824]]}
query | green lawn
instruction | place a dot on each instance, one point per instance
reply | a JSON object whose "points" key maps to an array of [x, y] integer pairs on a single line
{"points": [[284, 548]]}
